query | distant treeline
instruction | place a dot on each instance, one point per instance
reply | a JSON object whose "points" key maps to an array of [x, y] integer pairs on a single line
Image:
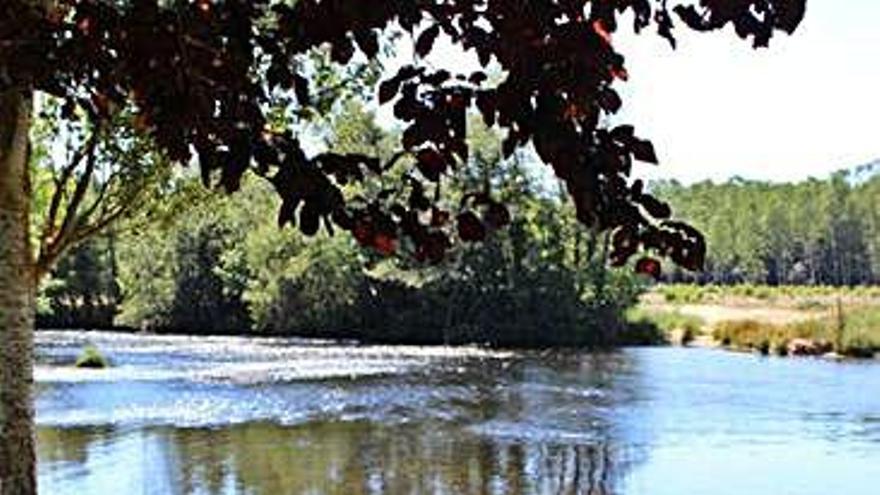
{"points": [[816, 232]]}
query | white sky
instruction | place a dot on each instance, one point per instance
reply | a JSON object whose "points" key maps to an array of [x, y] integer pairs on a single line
{"points": [[714, 108], [807, 105]]}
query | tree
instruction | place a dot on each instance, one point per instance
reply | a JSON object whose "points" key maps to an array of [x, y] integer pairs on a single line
{"points": [[82, 290], [202, 76]]}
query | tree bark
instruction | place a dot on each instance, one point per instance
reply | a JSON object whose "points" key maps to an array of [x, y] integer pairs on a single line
{"points": [[17, 293]]}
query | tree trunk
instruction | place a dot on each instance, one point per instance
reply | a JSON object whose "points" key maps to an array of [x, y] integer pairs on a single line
{"points": [[17, 292]]}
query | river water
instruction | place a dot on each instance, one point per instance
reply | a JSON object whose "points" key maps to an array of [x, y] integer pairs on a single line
{"points": [[181, 415]]}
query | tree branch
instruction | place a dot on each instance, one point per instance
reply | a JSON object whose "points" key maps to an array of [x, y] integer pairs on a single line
{"points": [[86, 231], [61, 181], [53, 243], [99, 200]]}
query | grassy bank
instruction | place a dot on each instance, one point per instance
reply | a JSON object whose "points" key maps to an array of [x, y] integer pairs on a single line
{"points": [[798, 295], [856, 333], [778, 320]]}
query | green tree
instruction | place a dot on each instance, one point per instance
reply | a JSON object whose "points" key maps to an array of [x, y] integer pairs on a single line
{"points": [[82, 291]]}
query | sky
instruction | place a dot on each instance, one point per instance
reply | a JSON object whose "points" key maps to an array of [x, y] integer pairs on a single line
{"points": [[806, 106], [716, 108]]}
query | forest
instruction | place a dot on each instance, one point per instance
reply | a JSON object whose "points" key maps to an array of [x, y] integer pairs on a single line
{"points": [[814, 232]]}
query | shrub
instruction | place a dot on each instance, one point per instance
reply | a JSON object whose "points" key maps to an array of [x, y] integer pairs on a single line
{"points": [[781, 348], [861, 331], [665, 323], [641, 333], [764, 337], [740, 333], [692, 293], [91, 357]]}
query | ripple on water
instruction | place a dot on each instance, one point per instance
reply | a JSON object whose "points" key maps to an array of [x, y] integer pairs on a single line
{"points": [[584, 434], [185, 381]]}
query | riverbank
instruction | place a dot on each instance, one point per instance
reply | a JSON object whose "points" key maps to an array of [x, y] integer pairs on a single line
{"points": [[779, 320], [783, 321]]}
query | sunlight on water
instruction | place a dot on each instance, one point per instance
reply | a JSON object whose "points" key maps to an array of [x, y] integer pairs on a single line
{"points": [[232, 359], [186, 381]]}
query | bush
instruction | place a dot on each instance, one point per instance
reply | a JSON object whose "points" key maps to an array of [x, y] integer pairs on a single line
{"points": [[663, 324], [641, 333], [858, 349], [741, 333], [682, 293], [91, 357], [764, 337], [780, 348]]}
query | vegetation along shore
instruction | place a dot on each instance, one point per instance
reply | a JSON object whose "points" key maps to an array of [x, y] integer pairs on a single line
{"points": [[786, 320]]}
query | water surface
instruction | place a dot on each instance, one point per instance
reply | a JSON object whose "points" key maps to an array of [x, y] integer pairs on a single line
{"points": [[180, 415]]}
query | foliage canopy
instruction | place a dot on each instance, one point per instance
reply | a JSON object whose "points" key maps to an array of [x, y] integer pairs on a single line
{"points": [[202, 76]]}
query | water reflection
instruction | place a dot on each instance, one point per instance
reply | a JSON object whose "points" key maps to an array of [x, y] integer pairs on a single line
{"points": [[69, 445], [321, 458]]}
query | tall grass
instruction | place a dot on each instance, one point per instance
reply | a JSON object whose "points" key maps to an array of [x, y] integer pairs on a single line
{"points": [[861, 331], [762, 336], [854, 332]]}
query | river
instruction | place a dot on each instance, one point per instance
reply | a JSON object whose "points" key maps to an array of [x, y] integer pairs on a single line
{"points": [[197, 415]]}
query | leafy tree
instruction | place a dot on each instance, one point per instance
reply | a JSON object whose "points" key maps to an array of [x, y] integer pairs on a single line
{"points": [[82, 291], [205, 75]]}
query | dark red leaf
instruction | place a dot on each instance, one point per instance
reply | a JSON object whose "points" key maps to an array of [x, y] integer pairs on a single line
{"points": [[497, 215], [470, 228], [649, 266], [388, 90], [431, 164], [309, 219], [426, 40], [643, 150], [655, 207], [301, 88], [368, 42], [477, 78], [363, 232], [487, 104], [610, 100], [439, 218], [385, 243]]}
